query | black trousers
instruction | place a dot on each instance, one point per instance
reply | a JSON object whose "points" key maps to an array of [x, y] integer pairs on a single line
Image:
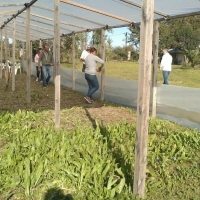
{"points": [[83, 69]]}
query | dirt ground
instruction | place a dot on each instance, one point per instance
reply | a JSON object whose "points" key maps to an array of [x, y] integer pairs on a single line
{"points": [[74, 109]]}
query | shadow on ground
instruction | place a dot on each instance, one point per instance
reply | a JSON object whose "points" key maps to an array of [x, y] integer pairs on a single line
{"points": [[57, 194]]}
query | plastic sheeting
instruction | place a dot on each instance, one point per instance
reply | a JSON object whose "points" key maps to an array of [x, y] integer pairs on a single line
{"points": [[74, 17], [174, 103]]}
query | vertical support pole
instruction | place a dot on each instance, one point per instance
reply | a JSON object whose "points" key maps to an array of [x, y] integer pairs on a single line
{"points": [[155, 67], [6, 55], [143, 97], [22, 58], [1, 54], [31, 56], [54, 68], [28, 57], [103, 69], [13, 54], [73, 62], [40, 43], [57, 60]]}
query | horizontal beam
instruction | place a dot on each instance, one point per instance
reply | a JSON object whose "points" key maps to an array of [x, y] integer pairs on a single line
{"points": [[8, 12], [45, 23], [70, 15], [9, 5], [96, 11], [139, 6], [27, 5], [50, 19], [179, 16]]}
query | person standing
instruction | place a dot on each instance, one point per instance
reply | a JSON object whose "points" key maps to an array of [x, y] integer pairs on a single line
{"points": [[84, 54], [166, 65], [38, 68], [90, 73], [46, 59]]}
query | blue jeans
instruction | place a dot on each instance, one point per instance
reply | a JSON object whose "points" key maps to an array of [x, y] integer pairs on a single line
{"points": [[92, 83], [46, 72], [165, 76]]}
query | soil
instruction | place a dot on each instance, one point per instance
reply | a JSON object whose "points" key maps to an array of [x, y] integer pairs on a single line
{"points": [[75, 111]]}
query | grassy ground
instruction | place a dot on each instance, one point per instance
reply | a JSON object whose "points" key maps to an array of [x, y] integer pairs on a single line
{"points": [[179, 76]]}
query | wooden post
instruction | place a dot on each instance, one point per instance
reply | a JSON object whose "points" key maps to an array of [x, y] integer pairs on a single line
{"points": [[40, 43], [73, 62], [28, 57], [6, 55], [54, 68], [13, 55], [143, 97], [103, 69], [1, 54], [57, 60], [22, 58], [31, 56], [155, 67]]}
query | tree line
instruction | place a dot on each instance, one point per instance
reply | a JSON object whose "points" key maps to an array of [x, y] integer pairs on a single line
{"points": [[180, 34]]}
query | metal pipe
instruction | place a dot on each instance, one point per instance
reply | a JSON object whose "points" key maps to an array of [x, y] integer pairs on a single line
{"points": [[27, 5]]}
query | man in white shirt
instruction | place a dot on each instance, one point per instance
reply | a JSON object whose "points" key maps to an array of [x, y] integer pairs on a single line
{"points": [[84, 55], [166, 65]]}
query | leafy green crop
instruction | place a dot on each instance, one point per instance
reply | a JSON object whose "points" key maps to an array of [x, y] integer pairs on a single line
{"points": [[94, 164]]}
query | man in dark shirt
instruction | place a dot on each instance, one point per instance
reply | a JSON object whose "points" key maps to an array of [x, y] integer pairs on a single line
{"points": [[46, 58]]}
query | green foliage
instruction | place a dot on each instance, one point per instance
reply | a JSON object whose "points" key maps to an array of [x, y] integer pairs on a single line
{"points": [[182, 33], [39, 162], [134, 37], [193, 57]]}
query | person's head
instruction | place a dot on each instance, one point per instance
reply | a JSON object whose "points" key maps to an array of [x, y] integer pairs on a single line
{"points": [[165, 51], [39, 50], [93, 50], [88, 47], [46, 47]]}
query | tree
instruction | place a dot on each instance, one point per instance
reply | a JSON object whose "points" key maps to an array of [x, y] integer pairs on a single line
{"points": [[193, 57], [183, 33], [134, 36]]}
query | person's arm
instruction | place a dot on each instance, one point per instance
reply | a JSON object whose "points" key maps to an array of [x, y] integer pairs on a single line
{"points": [[36, 59], [97, 59], [161, 63], [82, 56], [100, 61]]}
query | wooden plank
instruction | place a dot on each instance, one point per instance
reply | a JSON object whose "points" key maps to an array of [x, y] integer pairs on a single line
{"points": [[103, 69], [22, 58], [70, 15], [143, 97], [8, 12], [1, 55], [31, 54], [155, 68], [73, 62], [28, 57], [6, 54], [13, 54], [57, 60], [32, 35], [48, 24], [61, 22], [40, 43], [139, 6], [96, 11]]}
